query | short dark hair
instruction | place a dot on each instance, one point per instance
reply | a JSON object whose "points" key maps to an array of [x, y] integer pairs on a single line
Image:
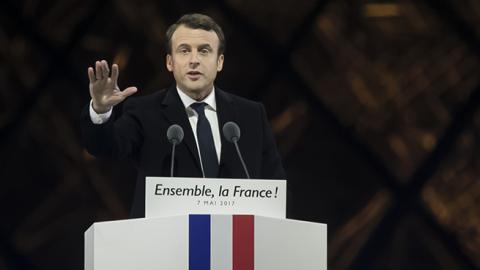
{"points": [[196, 21]]}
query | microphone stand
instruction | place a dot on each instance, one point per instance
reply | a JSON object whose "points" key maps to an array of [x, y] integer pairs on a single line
{"points": [[241, 158], [173, 157]]}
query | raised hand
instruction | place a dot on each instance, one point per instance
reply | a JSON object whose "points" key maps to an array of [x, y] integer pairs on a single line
{"points": [[104, 89]]}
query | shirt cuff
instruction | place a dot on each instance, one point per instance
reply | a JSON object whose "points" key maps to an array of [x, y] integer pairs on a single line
{"points": [[99, 118]]}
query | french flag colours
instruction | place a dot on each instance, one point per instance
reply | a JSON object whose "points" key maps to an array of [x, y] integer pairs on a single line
{"points": [[221, 242]]}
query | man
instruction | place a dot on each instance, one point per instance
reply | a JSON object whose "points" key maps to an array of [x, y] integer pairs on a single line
{"points": [[194, 55]]}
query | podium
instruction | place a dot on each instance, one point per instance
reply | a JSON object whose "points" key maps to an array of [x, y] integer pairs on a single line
{"points": [[217, 242], [176, 235]]}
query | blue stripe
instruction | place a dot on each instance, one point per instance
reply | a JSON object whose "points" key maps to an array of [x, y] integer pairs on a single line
{"points": [[199, 242]]}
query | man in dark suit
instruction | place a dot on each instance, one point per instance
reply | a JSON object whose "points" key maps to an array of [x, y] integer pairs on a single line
{"points": [[194, 56]]}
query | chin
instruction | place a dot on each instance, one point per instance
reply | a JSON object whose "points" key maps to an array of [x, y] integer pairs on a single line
{"points": [[197, 88], [193, 89]]}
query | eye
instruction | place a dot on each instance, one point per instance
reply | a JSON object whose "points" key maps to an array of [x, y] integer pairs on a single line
{"points": [[204, 51], [183, 50]]}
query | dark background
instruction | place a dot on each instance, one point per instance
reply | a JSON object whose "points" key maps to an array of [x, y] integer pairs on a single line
{"points": [[374, 105]]}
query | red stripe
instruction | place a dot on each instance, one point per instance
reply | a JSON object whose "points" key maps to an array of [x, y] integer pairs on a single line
{"points": [[243, 227]]}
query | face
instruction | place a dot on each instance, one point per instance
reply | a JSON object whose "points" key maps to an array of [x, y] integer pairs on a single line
{"points": [[194, 61]]}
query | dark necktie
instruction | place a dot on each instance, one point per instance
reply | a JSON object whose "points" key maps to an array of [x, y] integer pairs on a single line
{"points": [[205, 142]]}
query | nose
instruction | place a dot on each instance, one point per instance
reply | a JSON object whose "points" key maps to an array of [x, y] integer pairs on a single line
{"points": [[194, 60]]}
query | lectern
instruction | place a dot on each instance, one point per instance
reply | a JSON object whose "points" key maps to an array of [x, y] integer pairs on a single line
{"points": [[217, 242], [225, 238]]}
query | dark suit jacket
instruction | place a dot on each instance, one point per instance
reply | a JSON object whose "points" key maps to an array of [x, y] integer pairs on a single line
{"points": [[139, 134]]}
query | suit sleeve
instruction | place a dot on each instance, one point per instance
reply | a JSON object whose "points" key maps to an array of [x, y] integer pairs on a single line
{"points": [[271, 162], [120, 137]]}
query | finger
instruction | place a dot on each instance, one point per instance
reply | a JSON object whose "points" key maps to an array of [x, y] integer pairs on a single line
{"points": [[105, 69], [91, 75], [98, 71], [115, 73], [120, 96], [129, 91]]}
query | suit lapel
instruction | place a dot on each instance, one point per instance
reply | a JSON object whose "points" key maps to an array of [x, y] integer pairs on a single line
{"points": [[174, 111], [225, 113]]}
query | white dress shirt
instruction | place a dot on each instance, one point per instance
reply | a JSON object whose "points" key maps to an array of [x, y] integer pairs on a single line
{"points": [[210, 113], [99, 118]]}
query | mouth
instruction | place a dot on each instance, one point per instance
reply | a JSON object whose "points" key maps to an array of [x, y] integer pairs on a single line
{"points": [[194, 75]]}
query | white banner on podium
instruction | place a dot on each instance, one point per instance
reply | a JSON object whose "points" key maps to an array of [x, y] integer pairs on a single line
{"points": [[166, 196]]}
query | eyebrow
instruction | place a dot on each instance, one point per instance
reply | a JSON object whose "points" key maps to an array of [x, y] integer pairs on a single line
{"points": [[183, 45], [205, 46], [201, 46]]}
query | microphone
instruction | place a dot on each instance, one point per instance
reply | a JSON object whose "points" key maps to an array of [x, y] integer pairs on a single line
{"points": [[174, 136], [231, 132]]}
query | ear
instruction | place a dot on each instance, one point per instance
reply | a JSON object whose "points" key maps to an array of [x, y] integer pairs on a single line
{"points": [[220, 62], [169, 63]]}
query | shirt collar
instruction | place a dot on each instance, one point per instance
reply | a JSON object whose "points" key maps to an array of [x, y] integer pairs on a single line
{"points": [[187, 101]]}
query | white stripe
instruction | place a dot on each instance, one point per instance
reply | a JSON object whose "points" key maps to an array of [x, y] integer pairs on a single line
{"points": [[221, 242], [285, 244]]}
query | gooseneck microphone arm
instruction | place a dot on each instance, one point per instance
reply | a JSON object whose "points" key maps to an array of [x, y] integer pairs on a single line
{"points": [[241, 158], [173, 159], [231, 131], [174, 136]]}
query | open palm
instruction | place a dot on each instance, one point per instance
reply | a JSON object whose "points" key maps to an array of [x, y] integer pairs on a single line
{"points": [[104, 89]]}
